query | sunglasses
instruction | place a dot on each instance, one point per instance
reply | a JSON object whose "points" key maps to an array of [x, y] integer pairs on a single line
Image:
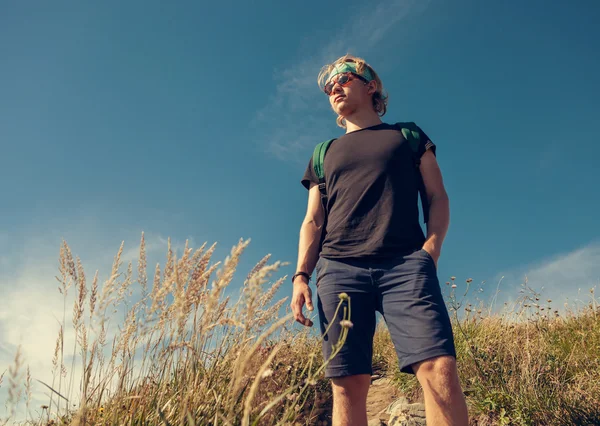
{"points": [[343, 80]]}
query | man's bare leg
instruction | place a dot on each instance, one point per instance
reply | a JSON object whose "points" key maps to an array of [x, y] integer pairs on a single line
{"points": [[444, 400], [350, 400]]}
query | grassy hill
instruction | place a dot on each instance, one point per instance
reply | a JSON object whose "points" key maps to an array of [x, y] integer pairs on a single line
{"points": [[186, 353]]}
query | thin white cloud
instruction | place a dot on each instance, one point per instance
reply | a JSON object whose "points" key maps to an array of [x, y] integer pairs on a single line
{"points": [[565, 278], [297, 114]]}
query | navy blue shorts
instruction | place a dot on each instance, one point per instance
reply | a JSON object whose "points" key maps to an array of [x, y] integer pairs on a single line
{"points": [[407, 293]]}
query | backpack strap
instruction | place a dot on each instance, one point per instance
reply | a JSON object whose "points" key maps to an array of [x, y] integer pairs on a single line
{"points": [[411, 133], [318, 161]]}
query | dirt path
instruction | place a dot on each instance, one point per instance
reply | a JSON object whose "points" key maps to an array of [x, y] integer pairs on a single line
{"points": [[381, 394]]}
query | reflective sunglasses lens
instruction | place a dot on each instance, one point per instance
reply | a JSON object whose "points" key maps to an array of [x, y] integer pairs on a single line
{"points": [[328, 88], [341, 80], [344, 78]]}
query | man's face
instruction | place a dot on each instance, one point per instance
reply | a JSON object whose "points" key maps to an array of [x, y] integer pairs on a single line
{"points": [[349, 93]]}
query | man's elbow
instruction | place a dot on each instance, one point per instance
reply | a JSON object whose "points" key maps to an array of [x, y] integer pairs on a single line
{"points": [[439, 196], [312, 222]]}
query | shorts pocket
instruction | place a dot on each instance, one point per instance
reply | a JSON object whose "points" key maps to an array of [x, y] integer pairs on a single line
{"points": [[319, 270], [428, 256], [318, 265]]}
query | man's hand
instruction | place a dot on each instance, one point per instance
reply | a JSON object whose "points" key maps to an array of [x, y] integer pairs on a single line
{"points": [[433, 251], [301, 295]]}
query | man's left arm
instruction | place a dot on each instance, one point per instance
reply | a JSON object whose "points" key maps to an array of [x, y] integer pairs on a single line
{"points": [[439, 205]]}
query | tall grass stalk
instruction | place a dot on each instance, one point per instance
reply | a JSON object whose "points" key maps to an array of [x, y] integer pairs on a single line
{"points": [[184, 352]]}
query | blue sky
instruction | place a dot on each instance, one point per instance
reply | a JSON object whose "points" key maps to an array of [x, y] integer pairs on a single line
{"points": [[196, 121]]}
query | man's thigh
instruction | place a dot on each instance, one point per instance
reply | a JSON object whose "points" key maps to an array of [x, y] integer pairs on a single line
{"points": [[333, 279], [414, 310]]}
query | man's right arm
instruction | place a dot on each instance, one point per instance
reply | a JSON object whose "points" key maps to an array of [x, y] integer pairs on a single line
{"points": [[308, 253]]}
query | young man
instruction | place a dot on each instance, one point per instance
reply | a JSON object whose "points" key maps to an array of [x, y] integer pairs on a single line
{"points": [[375, 251]]}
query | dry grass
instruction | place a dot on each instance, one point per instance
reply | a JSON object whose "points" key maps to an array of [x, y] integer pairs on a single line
{"points": [[525, 365], [185, 353]]}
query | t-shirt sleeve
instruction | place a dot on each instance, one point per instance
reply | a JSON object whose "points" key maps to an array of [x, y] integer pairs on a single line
{"points": [[309, 175], [425, 143]]}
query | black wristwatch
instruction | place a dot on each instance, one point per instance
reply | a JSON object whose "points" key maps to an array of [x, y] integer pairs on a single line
{"points": [[297, 274]]}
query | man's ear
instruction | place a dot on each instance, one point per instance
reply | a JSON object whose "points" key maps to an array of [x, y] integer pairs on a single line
{"points": [[371, 87]]}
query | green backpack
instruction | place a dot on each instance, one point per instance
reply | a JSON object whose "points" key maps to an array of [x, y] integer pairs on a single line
{"points": [[410, 131]]}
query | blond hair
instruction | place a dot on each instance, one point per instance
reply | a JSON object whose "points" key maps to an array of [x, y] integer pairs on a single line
{"points": [[380, 97]]}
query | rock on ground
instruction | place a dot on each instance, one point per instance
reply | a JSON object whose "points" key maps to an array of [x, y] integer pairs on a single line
{"points": [[386, 408], [404, 414]]}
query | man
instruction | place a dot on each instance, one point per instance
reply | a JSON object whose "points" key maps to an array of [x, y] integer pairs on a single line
{"points": [[374, 250]]}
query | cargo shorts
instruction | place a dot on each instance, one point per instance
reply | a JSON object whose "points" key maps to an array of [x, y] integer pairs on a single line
{"points": [[405, 291]]}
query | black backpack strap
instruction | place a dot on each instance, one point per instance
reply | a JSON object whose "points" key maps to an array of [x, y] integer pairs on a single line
{"points": [[412, 134]]}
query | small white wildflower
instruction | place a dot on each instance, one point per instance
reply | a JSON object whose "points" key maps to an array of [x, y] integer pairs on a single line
{"points": [[346, 324], [453, 285], [267, 373]]}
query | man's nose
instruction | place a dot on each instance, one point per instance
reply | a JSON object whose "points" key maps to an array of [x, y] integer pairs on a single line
{"points": [[337, 88]]}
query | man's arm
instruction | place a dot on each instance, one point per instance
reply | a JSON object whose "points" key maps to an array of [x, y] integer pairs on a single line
{"points": [[308, 252], [439, 205]]}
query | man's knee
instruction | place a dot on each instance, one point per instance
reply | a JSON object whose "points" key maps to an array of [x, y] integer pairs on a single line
{"points": [[438, 371], [351, 387]]}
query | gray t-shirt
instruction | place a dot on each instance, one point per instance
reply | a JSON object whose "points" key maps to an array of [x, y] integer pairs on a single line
{"points": [[372, 208]]}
